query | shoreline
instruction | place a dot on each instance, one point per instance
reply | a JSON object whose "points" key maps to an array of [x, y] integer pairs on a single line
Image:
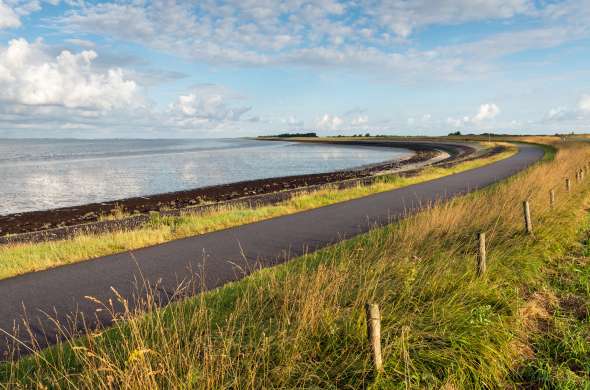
{"points": [[97, 217]]}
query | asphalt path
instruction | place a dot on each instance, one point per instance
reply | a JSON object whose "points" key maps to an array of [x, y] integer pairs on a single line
{"points": [[60, 295]]}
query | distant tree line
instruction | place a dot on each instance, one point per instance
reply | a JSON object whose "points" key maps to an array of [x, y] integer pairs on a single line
{"points": [[292, 135], [457, 133], [357, 135]]}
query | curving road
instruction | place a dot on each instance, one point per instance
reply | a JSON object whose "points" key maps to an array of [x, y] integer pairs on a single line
{"points": [[218, 257]]}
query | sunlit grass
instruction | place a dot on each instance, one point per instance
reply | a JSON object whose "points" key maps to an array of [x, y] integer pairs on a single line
{"points": [[559, 355], [301, 324], [22, 258]]}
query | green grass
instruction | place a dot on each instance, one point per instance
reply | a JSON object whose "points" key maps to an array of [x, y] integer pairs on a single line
{"points": [[22, 258], [302, 324], [560, 338]]}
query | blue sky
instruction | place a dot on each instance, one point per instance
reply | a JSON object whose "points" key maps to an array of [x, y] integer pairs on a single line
{"points": [[242, 67]]}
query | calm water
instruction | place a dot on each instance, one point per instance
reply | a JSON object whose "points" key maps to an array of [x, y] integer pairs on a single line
{"points": [[44, 174]]}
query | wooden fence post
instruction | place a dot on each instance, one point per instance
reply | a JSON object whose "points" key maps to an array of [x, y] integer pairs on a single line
{"points": [[552, 198], [568, 184], [527, 217], [481, 255], [374, 334]]}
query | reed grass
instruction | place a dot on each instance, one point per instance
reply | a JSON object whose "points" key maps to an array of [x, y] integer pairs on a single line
{"points": [[302, 325], [16, 259]]}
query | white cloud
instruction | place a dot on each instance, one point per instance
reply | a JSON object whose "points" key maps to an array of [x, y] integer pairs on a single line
{"points": [[369, 36], [486, 111], [570, 114], [11, 11], [350, 120], [322, 32], [457, 122], [360, 120], [403, 17], [53, 94], [560, 114], [65, 93], [30, 77], [26, 7], [423, 120], [206, 105], [8, 18], [81, 42], [584, 103], [329, 122], [125, 21]]}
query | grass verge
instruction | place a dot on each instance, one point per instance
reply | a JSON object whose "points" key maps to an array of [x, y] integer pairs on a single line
{"points": [[22, 258], [302, 324]]}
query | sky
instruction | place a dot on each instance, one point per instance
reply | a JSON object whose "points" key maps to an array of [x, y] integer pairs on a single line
{"points": [[235, 68]]}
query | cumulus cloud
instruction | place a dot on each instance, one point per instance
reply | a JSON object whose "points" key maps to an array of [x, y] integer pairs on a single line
{"points": [[8, 18], [560, 114], [584, 104], [54, 94], [209, 108], [66, 92], [485, 113], [349, 120], [457, 122], [568, 114], [11, 11], [206, 105], [30, 77], [329, 122], [360, 120]]}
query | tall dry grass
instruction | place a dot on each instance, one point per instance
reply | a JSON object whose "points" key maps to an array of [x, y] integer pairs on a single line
{"points": [[302, 324]]}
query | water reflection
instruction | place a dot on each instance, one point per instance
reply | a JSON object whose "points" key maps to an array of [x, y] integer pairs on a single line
{"points": [[42, 174]]}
